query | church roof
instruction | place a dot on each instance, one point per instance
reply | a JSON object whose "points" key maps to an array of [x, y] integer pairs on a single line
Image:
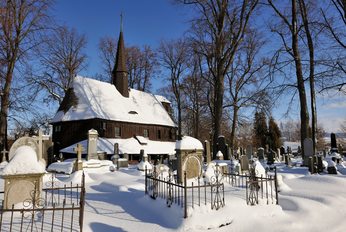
{"points": [[97, 99]]}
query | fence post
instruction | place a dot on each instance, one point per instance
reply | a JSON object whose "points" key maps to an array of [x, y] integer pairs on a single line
{"points": [[276, 187], [81, 204], [185, 195], [146, 190]]}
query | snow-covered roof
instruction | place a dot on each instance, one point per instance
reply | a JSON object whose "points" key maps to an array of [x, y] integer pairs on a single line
{"points": [[162, 99], [97, 99], [129, 146]]}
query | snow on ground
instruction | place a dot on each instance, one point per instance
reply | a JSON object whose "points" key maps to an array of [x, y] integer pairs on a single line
{"points": [[115, 201]]}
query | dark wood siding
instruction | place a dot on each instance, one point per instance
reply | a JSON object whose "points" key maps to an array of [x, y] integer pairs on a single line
{"points": [[74, 131]]}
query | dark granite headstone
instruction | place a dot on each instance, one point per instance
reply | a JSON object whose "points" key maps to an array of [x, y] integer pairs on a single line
{"points": [[282, 151], [319, 164], [270, 157], [221, 146], [333, 145]]}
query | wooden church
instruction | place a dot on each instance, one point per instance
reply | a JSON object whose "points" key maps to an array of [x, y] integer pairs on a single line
{"points": [[113, 109]]}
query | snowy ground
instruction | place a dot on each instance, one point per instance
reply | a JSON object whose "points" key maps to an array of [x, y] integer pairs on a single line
{"points": [[115, 201]]}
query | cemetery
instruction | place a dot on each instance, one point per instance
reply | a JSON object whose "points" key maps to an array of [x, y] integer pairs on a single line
{"points": [[215, 115], [85, 193]]}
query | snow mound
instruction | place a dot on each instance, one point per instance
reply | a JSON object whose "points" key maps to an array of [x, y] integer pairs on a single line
{"points": [[76, 178], [24, 161], [189, 143], [61, 167]]}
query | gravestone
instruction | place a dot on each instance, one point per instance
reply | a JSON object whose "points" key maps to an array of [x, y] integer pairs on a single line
{"points": [[249, 152], [308, 151], [207, 153], [27, 141], [270, 157], [244, 163], [92, 144], [189, 155], [4, 153], [78, 163], [260, 153], [333, 144], [144, 164], [123, 162], [282, 150], [219, 155], [319, 164], [221, 146], [115, 156], [22, 177]]}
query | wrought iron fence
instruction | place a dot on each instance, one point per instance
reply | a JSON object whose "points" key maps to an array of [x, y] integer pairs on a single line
{"points": [[59, 207], [257, 187], [183, 194]]}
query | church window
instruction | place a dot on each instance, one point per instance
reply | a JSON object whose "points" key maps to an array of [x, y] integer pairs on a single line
{"points": [[117, 131], [159, 134], [146, 133]]}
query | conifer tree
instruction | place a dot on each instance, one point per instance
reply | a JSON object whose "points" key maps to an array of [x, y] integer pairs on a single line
{"points": [[274, 135], [260, 129]]}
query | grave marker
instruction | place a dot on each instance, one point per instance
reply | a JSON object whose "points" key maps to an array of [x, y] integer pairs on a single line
{"points": [[249, 152], [79, 163], [207, 151], [260, 153], [244, 163], [333, 144], [92, 144], [308, 151]]}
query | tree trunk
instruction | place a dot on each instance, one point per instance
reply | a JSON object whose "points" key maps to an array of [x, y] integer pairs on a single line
{"points": [[311, 73], [234, 125], [218, 107], [304, 114]]}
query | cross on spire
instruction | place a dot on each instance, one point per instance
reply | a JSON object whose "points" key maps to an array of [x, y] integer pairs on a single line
{"points": [[121, 21]]}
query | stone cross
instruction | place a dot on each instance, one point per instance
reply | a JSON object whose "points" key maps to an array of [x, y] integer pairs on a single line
{"points": [[39, 139], [4, 152], [78, 149], [79, 164]]}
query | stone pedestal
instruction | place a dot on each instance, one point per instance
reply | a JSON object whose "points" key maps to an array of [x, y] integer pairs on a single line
{"points": [[20, 188], [92, 144]]}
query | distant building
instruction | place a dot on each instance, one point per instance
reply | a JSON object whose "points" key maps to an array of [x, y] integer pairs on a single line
{"points": [[113, 109]]}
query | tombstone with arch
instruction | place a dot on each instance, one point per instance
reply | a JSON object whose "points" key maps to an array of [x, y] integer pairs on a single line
{"points": [[190, 158]]}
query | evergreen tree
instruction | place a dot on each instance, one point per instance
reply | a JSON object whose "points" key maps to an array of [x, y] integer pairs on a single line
{"points": [[260, 130], [274, 135]]}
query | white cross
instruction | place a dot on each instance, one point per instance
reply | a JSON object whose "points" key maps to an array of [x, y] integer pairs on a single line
{"points": [[78, 149]]}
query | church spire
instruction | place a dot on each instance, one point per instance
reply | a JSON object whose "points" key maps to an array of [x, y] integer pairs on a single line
{"points": [[119, 73]]}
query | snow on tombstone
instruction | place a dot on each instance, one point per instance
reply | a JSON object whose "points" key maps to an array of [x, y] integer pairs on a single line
{"points": [[189, 153], [144, 164], [22, 176]]}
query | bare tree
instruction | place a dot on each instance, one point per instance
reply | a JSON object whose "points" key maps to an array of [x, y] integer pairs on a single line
{"points": [[174, 58], [21, 22], [247, 81], [290, 31], [218, 31], [334, 16], [61, 57]]}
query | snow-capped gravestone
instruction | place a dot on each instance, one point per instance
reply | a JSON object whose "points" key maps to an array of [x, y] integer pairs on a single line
{"points": [[22, 176], [92, 144], [144, 164], [219, 155], [189, 154]]}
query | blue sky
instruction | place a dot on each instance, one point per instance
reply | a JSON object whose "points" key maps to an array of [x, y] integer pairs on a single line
{"points": [[146, 22]]}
